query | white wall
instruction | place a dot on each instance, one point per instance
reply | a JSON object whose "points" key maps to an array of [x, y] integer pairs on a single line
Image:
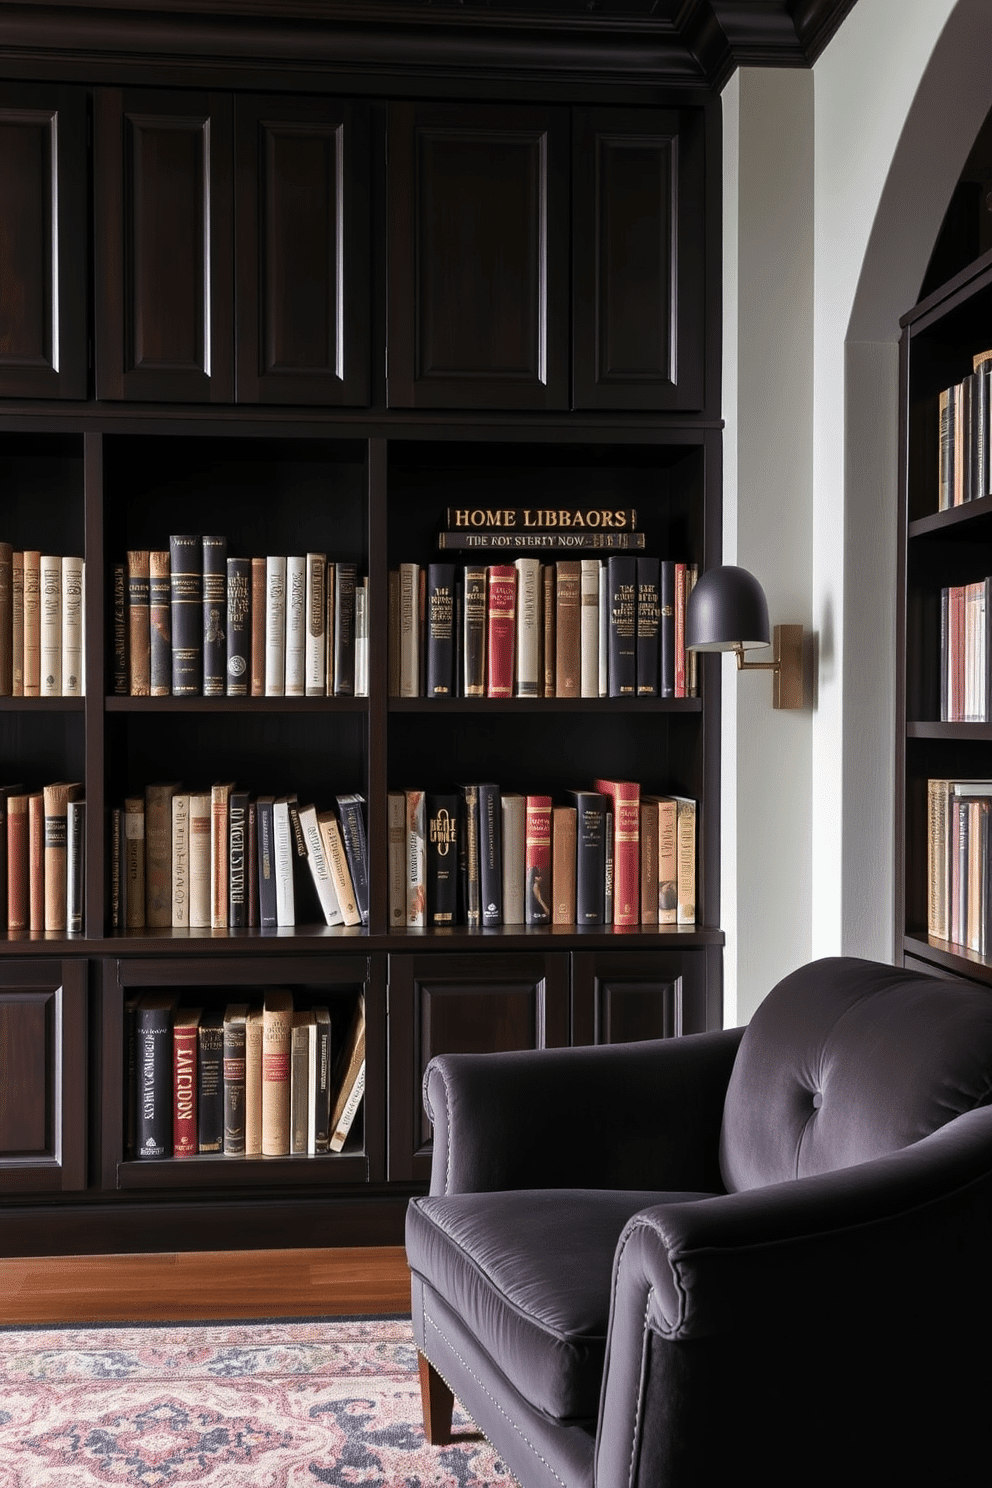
{"points": [[835, 186]]}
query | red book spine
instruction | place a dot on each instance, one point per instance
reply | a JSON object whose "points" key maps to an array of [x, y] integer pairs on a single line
{"points": [[680, 630], [36, 860], [537, 861], [184, 1123], [626, 798], [955, 713], [501, 611], [18, 911]]}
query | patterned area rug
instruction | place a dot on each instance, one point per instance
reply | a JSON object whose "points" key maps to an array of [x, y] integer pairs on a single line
{"points": [[221, 1405]]}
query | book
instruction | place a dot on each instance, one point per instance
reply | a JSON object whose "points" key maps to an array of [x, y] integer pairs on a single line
{"points": [[625, 798], [214, 553], [468, 856], [548, 539], [530, 631], [396, 858], [589, 582], [590, 855], [234, 1078], [501, 608], [350, 1080], [352, 824], [13, 859], [416, 859], [158, 854], [185, 1132], [210, 1083], [56, 799], [549, 608], [315, 647], [648, 667], [337, 866], [268, 916], [17, 624], [186, 566], [345, 581], [283, 852], [538, 892], [319, 866], [666, 628], [251, 865], [321, 1083], [330, 592], [296, 626], [32, 622], [441, 815], [159, 623], [239, 618], [237, 861], [621, 583], [393, 624], [474, 602], [200, 875], [649, 860], [259, 611], [686, 854], [409, 629], [668, 858], [116, 906], [36, 860], [679, 609], [568, 628], [277, 1040], [7, 619], [180, 860], [440, 630], [51, 625], [72, 628], [220, 798], [609, 849], [75, 892], [513, 816], [563, 828], [490, 856], [275, 626], [300, 1104], [154, 1075], [253, 1081], [307, 907]]}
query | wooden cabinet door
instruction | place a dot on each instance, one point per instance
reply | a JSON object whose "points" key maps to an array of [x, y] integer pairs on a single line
{"points": [[462, 1004], [622, 997], [42, 1076], [43, 241], [302, 251], [164, 246], [478, 257], [638, 259]]}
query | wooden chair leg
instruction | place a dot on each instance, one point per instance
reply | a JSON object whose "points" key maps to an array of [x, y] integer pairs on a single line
{"points": [[438, 1403]]}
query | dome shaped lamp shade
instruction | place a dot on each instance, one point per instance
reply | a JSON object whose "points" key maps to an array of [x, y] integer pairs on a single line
{"points": [[727, 611]]}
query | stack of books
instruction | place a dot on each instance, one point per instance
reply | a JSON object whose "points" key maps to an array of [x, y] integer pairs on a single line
{"points": [[482, 857], [42, 624], [224, 859], [965, 652], [246, 1081], [190, 621], [959, 881], [42, 858], [574, 628], [965, 469]]}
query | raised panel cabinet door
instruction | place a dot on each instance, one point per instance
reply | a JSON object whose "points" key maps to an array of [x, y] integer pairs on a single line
{"points": [[638, 258], [43, 241], [478, 257], [302, 251], [471, 1004], [621, 997], [42, 1076], [163, 169]]}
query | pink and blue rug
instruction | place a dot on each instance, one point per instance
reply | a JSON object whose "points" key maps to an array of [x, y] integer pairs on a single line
{"points": [[222, 1405]]}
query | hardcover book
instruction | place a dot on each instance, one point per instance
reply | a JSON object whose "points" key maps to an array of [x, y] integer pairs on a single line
{"points": [[321, 1103], [7, 618], [283, 853], [625, 796], [568, 628], [36, 861], [51, 626], [513, 814], [16, 841], [649, 860], [32, 622], [75, 893], [259, 612], [72, 665], [315, 660], [538, 892], [490, 856], [666, 628], [396, 822], [214, 616], [277, 1043], [268, 916], [238, 627], [416, 859], [563, 865], [648, 627], [350, 1080], [589, 586], [345, 580], [160, 623], [153, 1071], [200, 880], [442, 859], [299, 1080], [158, 855], [319, 866], [234, 1079], [210, 1083], [337, 865], [590, 855], [440, 629], [220, 797], [275, 626], [468, 856], [296, 626], [353, 834], [474, 631], [237, 864], [530, 631], [501, 633], [17, 624], [621, 586], [186, 562], [185, 1135], [180, 861], [253, 1081], [56, 800], [409, 630]]}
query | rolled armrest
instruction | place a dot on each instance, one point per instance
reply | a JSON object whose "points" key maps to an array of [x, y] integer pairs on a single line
{"points": [[643, 1115]]}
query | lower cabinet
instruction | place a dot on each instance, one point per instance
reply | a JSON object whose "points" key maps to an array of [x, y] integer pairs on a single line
{"points": [[43, 1020]]}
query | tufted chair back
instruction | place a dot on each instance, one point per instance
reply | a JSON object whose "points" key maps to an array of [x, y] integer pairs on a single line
{"points": [[836, 1069]]}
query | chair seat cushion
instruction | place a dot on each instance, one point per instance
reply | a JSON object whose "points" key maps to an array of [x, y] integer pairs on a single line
{"points": [[529, 1273]]}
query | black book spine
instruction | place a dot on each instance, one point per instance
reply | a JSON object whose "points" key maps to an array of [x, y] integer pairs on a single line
{"points": [[160, 624], [648, 627], [474, 624], [238, 626], [440, 629], [468, 855], [355, 849], [666, 628], [490, 856], [75, 864], [345, 575], [153, 1035], [590, 856], [267, 915], [234, 1081], [458, 681], [210, 1084], [116, 878], [237, 875], [442, 859], [608, 862], [621, 580], [121, 683], [214, 616], [186, 556]]}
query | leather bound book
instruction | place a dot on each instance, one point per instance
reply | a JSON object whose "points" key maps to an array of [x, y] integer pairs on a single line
{"points": [[353, 835], [185, 1127], [210, 1083], [501, 608], [32, 623], [442, 859], [186, 558], [251, 868], [267, 910], [530, 631], [234, 1078], [396, 820], [158, 855], [621, 584], [470, 890], [345, 579], [153, 1075], [180, 861], [568, 628], [56, 799], [220, 797], [409, 630], [200, 825], [214, 616], [474, 631], [550, 616], [259, 601], [7, 619], [134, 863], [18, 904], [275, 625], [238, 643], [666, 628], [17, 624], [563, 865], [490, 856], [591, 578], [416, 859], [237, 862], [537, 894], [160, 623], [440, 630], [625, 796], [296, 625], [513, 814], [75, 888], [321, 1094], [590, 855], [648, 627], [277, 1044], [649, 861], [315, 658]]}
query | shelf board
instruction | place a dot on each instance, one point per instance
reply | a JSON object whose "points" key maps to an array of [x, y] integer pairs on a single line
{"points": [[954, 516], [210, 1170], [949, 956], [42, 704], [546, 705], [116, 704], [949, 731]]}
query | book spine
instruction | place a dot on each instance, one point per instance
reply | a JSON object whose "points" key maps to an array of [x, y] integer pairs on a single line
{"points": [[468, 856], [501, 621], [322, 1079], [330, 590], [550, 638], [440, 629], [72, 627], [36, 860], [945, 438], [117, 921], [6, 619], [350, 1080], [134, 862], [159, 624], [51, 626], [590, 857], [622, 589], [120, 619], [686, 862], [282, 858], [648, 627], [158, 855], [186, 560], [17, 624], [299, 1083], [267, 909], [277, 1042], [666, 628], [18, 906], [153, 1125], [490, 856], [609, 864], [409, 630], [568, 628], [337, 867], [691, 657], [251, 868], [32, 622], [513, 815], [680, 591], [538, 893], [275, 626], [668, 860], [529, 629], [649, 862], [253, 1081], [625, 796], [589, 582], [180, 861], [416, 865], [185, 1136], [349, 1111], [316, 616], [393, 604], [937, 837], [563, 827], [237, 876], [442, 859], [396, 823], [319, 865], [296, 626], [238, 654], [345, 581], [220, 797], [234, 1080], [200, 824], [259, 612], [474, 632], [356, 850], [210, 1085], [55, 808], [214, 619], [75, 866]]}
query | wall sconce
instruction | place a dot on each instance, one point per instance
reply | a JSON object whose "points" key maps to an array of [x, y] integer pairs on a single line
{"points": [[727, 611]]}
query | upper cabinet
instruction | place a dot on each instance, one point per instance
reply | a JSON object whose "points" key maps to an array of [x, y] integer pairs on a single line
{"points": [[232, 252], [43, 265]]}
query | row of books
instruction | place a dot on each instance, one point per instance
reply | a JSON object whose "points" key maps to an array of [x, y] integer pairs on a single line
{"points": [[964, 426], [190, 621], [479, 856], [249, 1081], [959, 875], [42, 858], [586, 627], [225, 859], [42, 624], [965, 652]]}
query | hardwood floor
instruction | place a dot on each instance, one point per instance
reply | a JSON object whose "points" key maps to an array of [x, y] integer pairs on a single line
{"points": [[188, 1286]]}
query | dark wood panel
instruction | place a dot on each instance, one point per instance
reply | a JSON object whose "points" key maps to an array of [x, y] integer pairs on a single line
{"points": [[625, 996], [163, 179], [302, 251], [478, 248], [43, 1064], [638, 259], [43, 263], [462, 1005]]}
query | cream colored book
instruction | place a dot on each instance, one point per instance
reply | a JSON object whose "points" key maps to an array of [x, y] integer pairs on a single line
{"points": [[351, 1079], [253, 1082], [277, 1048], [220, 797], [275, 626], [180, 861], [51, 626], [57, 798], [299, 1097], [199, 860], [320, 869], [337, 864], [296, 625], [396, 820], [32, 622], [71, 665], [17, 624], [316, 651]]}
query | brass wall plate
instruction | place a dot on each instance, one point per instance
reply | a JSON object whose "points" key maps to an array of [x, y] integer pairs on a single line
{"points": [[787, 685]]}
